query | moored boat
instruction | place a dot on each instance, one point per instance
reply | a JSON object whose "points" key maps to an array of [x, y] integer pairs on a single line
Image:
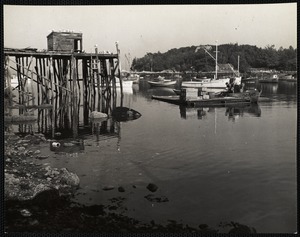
{"points": [[220, 84], [161, 82], [289, 78], [273, 78], [250, 79], [190, 97], [213, 83]]}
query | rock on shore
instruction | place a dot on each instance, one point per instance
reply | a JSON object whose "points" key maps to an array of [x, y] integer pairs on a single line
{"points": [[24, 180]]}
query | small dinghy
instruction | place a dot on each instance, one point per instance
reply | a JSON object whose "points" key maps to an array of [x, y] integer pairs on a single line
{"points": [[123, 114]]}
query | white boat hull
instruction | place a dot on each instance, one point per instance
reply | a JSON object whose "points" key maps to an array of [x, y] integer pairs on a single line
{"points": [[162, 84], [209, 83]]}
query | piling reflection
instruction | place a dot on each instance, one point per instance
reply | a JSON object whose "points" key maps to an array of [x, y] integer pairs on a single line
{"points": [[109, 128], [105, 129]]}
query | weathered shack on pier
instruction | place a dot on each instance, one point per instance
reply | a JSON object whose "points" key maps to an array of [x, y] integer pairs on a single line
{"points": [[65, 41], [62, 83]]}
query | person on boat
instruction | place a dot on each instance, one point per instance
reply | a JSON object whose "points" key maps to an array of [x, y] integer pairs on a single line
{"points": [[242, 87], [229, 87], [236, 88]]}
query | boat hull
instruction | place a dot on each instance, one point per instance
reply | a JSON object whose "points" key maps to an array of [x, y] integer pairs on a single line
{"points": [[162, 84], [271, 79], [209, 83], [247, 97]]}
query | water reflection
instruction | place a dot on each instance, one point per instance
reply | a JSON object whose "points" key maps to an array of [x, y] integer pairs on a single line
{"points": [[232, 112], [270, 88], [239, 111], [187, 113]]}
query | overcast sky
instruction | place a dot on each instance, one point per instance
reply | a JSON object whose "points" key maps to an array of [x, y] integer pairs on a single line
{"points": [[151, 28]]}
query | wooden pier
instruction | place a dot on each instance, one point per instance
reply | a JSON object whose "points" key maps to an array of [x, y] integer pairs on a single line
{"points": [[61, 85]]}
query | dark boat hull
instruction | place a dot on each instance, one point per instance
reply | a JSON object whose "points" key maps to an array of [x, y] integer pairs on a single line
{"points": [[236, 98]]}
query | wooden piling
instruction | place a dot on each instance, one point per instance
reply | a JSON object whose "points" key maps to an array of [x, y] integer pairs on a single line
{"points": [[85, 92], [8, 85], [75, 98], [58, 82], [52, 98]]}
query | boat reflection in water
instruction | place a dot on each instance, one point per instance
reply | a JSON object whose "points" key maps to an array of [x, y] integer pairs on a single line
{"points": [[269, 88], [191, 112], [232, 112]]}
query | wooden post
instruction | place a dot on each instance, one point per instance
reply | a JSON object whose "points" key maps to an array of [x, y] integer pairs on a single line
{"points": [[85, 92], [31, 84], [119, 69], [9, 90], [52, 97], [74, 96], [55, 74], [99, 88], [78, 86], [38, 90]]}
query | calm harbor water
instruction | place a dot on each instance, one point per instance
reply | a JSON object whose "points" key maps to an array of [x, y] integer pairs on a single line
{"points": [[212, 164]]}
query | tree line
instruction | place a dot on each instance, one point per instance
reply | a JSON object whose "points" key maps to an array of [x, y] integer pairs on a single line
{"points": [[189, 59]]}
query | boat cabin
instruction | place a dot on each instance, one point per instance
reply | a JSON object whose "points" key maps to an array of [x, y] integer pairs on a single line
{"points": [[66, 41]]}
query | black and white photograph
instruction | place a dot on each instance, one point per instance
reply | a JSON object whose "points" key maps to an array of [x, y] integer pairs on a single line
{"points": [[178, 118]]}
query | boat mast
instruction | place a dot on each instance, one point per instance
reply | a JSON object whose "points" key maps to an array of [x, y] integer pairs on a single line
{"points": [[238, 65], [216, 76]]}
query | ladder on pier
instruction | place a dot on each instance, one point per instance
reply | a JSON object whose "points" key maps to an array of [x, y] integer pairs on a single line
{"points": [[95, 69], [95, 79]]}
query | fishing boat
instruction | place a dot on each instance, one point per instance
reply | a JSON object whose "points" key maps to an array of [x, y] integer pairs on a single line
{"points": [[212, 83], [216, 84], [270, 78], [131, 75], [247, 97], [194, 98]]}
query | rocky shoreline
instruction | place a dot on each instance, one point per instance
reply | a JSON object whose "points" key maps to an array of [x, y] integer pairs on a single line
{"points": [[38, 199], [25, 179]]}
